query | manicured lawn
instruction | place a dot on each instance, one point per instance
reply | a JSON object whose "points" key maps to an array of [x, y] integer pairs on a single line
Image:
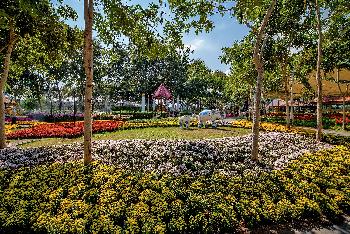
{"points": [[149, 133]]}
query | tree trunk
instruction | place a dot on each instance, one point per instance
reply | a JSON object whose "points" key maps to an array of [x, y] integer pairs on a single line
{"points": [[286, 91], [74, 107], [344, 115], [318, 75], [291, 100], [51, 105], [40, 104], [5, 72], [250, 101], [343, 96], [88, 67], [258, 52]]}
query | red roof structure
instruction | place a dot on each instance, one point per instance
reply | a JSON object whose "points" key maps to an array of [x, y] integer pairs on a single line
{"points": [[333, 100], [162, 92]]}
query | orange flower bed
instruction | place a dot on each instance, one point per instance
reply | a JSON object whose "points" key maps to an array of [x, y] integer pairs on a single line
{"points": [[64, 129]]}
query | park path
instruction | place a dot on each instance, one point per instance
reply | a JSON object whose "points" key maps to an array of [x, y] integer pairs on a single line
{"points": [[15, 143], [343, 228], [329, 131]]}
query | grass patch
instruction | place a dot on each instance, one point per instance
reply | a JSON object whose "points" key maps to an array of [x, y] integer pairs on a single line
{"points": [[148, 133]]}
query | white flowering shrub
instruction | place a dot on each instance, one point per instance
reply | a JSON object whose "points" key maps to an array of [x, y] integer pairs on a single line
{"points": [[197, 157]]}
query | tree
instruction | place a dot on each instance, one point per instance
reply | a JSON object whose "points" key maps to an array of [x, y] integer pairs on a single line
{"points": [[337, 46], [118, 18], [258, 61], [88, 67], [318, 73], [26, 21], [289, 28], [9, 47], [247, 12]]}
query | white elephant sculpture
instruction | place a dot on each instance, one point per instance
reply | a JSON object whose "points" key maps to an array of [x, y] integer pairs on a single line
{"points": [[209, 116], [185, 120]]}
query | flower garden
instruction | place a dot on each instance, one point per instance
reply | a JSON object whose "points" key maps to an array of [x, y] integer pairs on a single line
{"points": [[330, 120], [170, 185]]}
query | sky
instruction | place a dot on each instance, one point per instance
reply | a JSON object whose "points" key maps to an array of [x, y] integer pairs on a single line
{"points": [[205, 46]]}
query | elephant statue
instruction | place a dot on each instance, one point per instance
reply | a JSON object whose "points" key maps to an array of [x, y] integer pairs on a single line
{"points": [[185, 120], [209, 116]]}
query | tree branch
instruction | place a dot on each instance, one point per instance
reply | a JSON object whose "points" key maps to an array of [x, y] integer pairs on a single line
{"points": [[251, 28], [261, 31], [2, 48]]}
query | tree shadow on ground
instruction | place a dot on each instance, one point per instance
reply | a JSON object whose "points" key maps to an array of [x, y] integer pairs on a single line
{"points": [[341, 225]]}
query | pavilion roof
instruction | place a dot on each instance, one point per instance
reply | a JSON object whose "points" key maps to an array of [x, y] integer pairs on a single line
{"points": [[329, 86], [162, 92]]}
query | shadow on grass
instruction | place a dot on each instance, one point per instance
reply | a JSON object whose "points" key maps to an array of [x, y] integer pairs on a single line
{"points": [[188, 129]]}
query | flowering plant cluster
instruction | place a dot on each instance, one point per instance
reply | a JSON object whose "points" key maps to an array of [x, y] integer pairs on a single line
{"points": [[328, 138], [19, 118], [64, 129], [61, 117], [196, 157], [20, 124], [339, 121], [10, 127], [102, 198], [309, 120], [71, 129], [296, 115], [270, 127]]}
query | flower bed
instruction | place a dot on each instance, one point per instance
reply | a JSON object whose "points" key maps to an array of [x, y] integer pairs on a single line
{"points": [[71, 129], [328, 138], [100, 198], [309, 120], [65, 129], [270, 127], [19, 118], [10, 128], [196, 157]]}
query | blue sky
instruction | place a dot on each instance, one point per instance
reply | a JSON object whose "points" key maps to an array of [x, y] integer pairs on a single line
{"points": [[205, 46]]}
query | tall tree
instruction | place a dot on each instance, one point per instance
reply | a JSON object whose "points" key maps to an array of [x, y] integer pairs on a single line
{"points": [[9, 47], [336, 51], [247, 12], [88, 67], [258, 61], [22, 20], [118, 18], [259, 66], [318, 73]]}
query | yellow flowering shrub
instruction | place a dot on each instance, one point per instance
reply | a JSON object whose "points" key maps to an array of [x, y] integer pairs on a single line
{"points": [[10, 128], [271, 127], [101, 198], [20, 124]]}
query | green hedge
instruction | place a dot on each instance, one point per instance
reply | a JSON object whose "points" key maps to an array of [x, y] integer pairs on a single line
{"points": [[71, 198], [121, 109]]}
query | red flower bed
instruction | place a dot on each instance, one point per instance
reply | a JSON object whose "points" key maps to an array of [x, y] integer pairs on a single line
{"points": [[296, 116], [305, 116], [66, 129], [339, 120], [338, 117]]}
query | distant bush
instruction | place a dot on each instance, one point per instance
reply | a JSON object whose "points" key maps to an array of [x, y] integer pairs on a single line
{"points": [[126, 109]]}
